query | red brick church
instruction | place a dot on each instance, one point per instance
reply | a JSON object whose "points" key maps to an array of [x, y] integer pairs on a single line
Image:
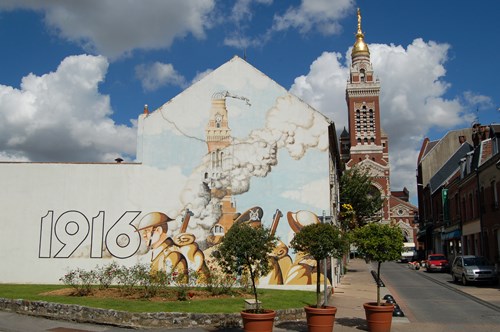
{"points": [[365, 143]]}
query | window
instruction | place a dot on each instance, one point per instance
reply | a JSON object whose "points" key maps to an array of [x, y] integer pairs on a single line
{"points": [[471, 205], [494, 194], [218, 230], [362, 75], [464, 209]]}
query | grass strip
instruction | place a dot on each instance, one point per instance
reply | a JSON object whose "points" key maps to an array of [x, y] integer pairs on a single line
{"points": [[271, 299]]}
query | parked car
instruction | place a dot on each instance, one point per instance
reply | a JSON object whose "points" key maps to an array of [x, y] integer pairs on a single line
{"points": [[437, 262], [473, 268]]}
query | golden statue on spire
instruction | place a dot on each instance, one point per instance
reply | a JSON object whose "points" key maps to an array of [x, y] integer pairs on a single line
{"points": [[359, 21], [360, 47]]}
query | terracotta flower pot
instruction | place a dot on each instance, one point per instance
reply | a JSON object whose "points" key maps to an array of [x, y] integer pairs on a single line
{"points": [[320, 319], [258, 322], [379, 317]]}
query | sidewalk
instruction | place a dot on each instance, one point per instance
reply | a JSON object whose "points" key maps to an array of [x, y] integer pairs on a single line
{"points": [[356, 287]]}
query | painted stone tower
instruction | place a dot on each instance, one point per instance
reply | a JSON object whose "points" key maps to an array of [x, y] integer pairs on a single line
{"points": [[365, 143], [218, 137]]}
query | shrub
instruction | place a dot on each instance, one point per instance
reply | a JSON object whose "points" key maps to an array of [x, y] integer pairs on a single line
{"points": [[218, 282], [80, 280], [107, 274]]}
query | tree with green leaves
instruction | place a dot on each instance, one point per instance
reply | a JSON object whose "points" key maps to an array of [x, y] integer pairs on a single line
{"points": [[378, 243], [319, 241], [246, 247], [357, 190]]}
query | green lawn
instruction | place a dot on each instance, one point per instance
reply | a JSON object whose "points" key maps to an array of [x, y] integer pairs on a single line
{"points": [[271, 299]]}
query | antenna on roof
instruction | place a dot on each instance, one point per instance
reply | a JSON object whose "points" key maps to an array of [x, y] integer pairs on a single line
{"points": [[245, 54]]}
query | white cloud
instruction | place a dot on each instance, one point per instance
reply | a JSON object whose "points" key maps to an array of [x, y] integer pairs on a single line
{"points": [[242, 11], [314, 193], [199, 75], [310, 16], [411, 98], [157, 75], [321, 15], [114, 27], [61, 116]]}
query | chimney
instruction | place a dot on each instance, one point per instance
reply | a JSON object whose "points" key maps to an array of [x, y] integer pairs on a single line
{"points": [[146, 111]]}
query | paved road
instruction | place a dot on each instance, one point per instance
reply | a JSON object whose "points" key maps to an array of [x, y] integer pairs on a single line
{"points": [[431, 302]]}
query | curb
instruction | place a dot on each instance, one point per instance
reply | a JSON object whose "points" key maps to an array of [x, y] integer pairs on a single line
{"points": [[83, 314]]}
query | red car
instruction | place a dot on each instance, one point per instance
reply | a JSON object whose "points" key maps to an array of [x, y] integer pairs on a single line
{"points": [[437, 262]]}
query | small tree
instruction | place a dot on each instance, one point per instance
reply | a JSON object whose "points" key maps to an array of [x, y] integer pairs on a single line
{"points": [[320, 241], [379, 243], [247, 247], [357, 190]]}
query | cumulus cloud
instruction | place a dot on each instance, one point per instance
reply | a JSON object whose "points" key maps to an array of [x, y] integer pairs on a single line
{"points": [[114, 28], [242, 9], [320, 15], [412, 88], [314, 193], [310, 16], [158, 74], [61, 116]]}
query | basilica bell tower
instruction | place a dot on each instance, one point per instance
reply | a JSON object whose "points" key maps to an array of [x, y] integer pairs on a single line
{"points": [[364, 143]]}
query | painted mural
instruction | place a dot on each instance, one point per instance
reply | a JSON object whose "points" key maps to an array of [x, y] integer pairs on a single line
{"points": [[235, 147]]}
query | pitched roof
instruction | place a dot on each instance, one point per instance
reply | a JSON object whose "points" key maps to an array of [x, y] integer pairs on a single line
{"points": [[450, 167]]}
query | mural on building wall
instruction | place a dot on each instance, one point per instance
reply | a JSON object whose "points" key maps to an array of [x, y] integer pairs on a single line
{"points": [[234, 147]]}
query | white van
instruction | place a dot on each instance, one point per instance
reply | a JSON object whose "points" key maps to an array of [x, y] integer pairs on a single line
{"points": [[409, 252]]}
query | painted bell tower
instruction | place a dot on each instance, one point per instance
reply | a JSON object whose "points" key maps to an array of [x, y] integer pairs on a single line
{"points": [[218, 138], [364, 142]]}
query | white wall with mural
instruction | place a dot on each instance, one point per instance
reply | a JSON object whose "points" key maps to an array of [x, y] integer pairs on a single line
{"points": [[233, 147]]}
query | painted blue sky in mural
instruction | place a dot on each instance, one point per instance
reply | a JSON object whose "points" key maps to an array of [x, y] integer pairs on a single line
{"points": [[74, 76]]}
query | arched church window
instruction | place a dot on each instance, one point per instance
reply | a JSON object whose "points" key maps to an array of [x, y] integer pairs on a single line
{"points": [[213, 158], [362, 75], [221, 154], [218, 230]]}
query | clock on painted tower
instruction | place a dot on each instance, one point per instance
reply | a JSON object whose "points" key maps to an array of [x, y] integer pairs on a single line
{"points": [[218, 119]]}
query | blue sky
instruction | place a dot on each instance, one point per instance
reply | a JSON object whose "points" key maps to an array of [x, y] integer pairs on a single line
{"points": [[75, 75]]}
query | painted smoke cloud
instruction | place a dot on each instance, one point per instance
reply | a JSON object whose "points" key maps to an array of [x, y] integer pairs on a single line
{"points": [[290, 125]]}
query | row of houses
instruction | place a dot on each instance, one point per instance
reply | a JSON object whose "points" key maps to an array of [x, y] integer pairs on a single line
{"points": [[458, 181]]}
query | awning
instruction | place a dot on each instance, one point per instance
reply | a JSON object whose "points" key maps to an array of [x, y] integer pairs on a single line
{"points": [[456, 234]]}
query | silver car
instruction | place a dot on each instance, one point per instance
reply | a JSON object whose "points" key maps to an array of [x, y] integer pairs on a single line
{"points": [[473, 268]]}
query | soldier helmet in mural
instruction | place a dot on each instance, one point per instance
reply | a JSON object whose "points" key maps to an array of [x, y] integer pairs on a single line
{"points": [[301, 218], [153, 219]]}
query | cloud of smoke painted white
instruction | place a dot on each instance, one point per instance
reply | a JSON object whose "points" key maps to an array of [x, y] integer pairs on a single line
{"points": [[290, 125]]}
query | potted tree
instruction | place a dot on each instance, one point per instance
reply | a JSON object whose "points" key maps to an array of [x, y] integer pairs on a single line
{"points": [[320, 241], [247, 247], [378, 243]]}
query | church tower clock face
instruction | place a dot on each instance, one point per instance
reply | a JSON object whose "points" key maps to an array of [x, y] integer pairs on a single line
{"points": [[218, 119]]}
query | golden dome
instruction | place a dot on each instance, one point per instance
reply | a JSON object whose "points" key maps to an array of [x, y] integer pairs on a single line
{"points": [[360, 47]]}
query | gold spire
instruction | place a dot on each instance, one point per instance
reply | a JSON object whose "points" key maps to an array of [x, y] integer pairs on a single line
{"points": [[360, 47]]}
